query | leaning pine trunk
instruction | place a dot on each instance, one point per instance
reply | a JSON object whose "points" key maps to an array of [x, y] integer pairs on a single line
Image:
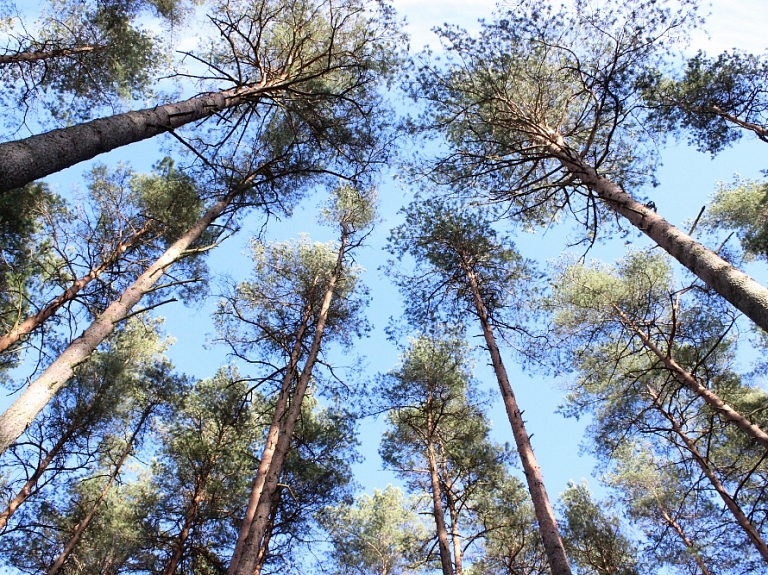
{"points": [[248, 558], [83, 525], [37, 55], [709, 396], [741, 518], [545, 516], [271, 443], [35, 321], [26, 407], [744, 293], [24, 161]]}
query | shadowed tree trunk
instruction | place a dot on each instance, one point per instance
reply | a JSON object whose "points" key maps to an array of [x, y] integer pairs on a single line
{"points": [[437, 505], [36, 55]]}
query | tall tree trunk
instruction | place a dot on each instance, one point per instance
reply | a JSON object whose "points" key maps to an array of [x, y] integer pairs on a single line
{"points": [[83, 525], [264, 548], [272, 437], [35, 321], [437, 505], [186, 528], [250, 549], [550, 533], [741, 518], [744, 293], [37, 55], [37, 395], [43, 464], [687, 379], [27, 160], [453, 513]]}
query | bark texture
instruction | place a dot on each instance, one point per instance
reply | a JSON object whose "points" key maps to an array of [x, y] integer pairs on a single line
{"points": [[545, 516], [437, 508], [24, 161], [744, 293], [20, 415]]}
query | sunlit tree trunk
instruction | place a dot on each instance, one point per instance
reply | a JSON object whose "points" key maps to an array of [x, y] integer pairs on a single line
{"points": [[23, 411], [741, 518], [744, 293], [37, 55], [550, 533], [250, 550], [35, 321]]}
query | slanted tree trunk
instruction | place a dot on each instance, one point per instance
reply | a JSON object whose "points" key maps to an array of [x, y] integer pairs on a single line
{"points": [[272, 438], [741, 518], [550, 533], [687, 379], [437, 504], [35, 321], [677, 528], [83, 525], [250, 550], [27, 160], [264, 549], [744, 293], [37, 55], [27, 488], [450, 503], [186, 528], [20, 415]]}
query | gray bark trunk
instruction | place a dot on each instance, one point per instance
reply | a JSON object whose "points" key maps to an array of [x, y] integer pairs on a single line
{"points": [[24, 161], [437, 508], [545, 516], [744, 293], [20, 415], [36, 55]]}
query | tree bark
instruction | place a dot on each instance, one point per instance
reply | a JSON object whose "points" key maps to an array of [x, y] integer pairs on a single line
{"points": [[186, 528], [545, 516], [437, 506], [455, 537], [27, 160], [744, 293], [709, 396], [247, 561], [35, 321], [36, 55], [738, 514], [37, 395], [271, 444], [83, 525], [264, 548]]}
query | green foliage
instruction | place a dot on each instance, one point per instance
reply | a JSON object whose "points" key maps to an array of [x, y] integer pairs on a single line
{"points": [[448, 241], [711, 98], [593, 538], [537, 78], [741, 207], [100, 56], [379, 535]]}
